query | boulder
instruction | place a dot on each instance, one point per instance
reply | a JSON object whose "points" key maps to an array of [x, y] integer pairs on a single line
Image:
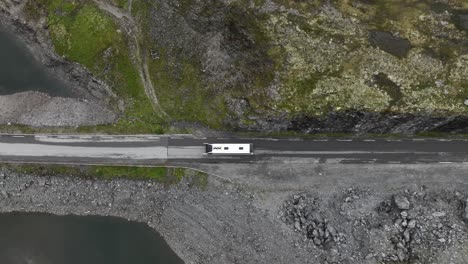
{"points": [[401, 202]]}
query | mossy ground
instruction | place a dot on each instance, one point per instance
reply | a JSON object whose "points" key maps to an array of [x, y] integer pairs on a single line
{"points": [[164, 175]]}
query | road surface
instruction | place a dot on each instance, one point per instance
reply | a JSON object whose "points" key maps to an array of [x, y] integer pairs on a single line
{"points": [[174, 149]]}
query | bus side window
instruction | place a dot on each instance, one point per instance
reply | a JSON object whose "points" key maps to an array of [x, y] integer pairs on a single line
{"points": [[226, 148], [241, 148]]}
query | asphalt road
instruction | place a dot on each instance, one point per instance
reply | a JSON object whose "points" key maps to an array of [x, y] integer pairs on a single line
{"points": [[174, 149]]}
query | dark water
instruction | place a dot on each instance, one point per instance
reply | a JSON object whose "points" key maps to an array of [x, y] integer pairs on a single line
{"points": [[394, 45], [461, 20], [20, 72], [31, 238]]}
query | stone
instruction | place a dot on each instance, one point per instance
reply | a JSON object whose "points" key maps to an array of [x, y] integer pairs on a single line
{"points": [[438, 214], [401, 255], [401, 202], [297, 225], [406, 235], [332, 230], [412, 224], [404, 214]]}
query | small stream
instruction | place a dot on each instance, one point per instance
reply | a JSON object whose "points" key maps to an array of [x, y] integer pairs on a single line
{"points": [[34, 238]]}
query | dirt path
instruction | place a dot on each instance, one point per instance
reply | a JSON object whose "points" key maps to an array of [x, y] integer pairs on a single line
{"points": [[128, 23]]}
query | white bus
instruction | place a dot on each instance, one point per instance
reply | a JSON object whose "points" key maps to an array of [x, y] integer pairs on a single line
{"points": [[229, 149]]}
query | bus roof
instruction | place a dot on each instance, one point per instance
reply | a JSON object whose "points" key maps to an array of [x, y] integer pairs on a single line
{"points": [[229, 148]]}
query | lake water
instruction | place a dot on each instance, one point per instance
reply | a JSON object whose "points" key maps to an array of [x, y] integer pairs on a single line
{"points": [[19, 72], [33, 238]]}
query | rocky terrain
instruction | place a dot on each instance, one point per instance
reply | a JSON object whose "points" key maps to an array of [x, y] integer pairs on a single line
{"points": [[363, 228], [232, 220]]}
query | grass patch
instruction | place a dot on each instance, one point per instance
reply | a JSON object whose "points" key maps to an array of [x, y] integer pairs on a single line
{"points": [[184, 96], [121, 3], [164, 175]]}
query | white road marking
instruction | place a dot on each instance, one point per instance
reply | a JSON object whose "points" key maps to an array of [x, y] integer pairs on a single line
{"points": [[265, 139], [18, 136], [445, 162], [344, 140], [84, 139], [392, 140], [369, 140], [320, 140]]}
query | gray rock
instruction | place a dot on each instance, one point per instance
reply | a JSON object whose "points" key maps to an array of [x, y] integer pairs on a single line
{"points": [[406, 235], [465, 214], [401, 255], [297, 225], [317, 241], [438, 214], [401, 202], [404, 214]]}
